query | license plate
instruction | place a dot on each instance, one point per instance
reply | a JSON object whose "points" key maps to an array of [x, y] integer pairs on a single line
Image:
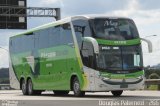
{"points": [[123, 86]]}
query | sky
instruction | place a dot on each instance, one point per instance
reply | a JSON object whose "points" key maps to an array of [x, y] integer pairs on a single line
{"points": [[145, 13]]}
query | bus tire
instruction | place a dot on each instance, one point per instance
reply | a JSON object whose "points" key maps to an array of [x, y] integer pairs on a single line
{"points": [[61, 92], [30, 87], [76, 88], [24, 87], [117, 93]]}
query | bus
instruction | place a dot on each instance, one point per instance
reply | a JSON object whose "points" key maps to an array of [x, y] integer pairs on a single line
{"points": [[88, 53]]}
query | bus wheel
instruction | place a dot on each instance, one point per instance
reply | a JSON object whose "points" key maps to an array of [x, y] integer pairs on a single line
{"points": [[24, 88], [30, 87], [61, 92], [117, 93], [76, 88]]}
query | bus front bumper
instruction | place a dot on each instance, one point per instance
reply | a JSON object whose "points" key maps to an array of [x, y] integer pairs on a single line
{"points": [[119, 84]]}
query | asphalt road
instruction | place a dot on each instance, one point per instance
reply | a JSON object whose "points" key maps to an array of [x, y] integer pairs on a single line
{"points": [[128, 98]]}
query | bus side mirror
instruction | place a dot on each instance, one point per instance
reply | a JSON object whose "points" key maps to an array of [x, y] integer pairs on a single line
{"points": [[150, 49], [94, 43]]}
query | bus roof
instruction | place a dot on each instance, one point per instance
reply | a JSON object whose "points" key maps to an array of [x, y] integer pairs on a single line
{"points": [[93, 16], [65, 20]]}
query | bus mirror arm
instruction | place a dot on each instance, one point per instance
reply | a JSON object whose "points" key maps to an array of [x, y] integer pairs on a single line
{"points": [[150, 48], [94, 43]]}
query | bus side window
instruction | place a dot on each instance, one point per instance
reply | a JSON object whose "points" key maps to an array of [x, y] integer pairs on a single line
{"points": [[66, 34], [54, 36], [82, 29], [43, 38], [28, 42], [87, 54]]}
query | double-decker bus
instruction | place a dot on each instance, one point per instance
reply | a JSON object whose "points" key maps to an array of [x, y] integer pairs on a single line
{"points": [[79, 54]]}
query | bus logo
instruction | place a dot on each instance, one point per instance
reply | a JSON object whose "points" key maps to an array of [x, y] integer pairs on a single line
{"points": [[120, 42], [48, 55]]}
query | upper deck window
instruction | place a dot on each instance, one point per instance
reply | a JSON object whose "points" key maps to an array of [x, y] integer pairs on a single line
{"points": [[114, 29]]}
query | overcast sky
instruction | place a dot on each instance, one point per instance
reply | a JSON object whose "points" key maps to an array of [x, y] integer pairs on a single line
{"points": [[145, 13]]}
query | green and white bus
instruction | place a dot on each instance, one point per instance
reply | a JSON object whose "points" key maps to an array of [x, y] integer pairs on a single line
{"points": [[79, 54]]}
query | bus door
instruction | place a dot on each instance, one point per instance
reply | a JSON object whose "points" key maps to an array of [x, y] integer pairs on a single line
{"points": [[88, 59], [82, 29]]}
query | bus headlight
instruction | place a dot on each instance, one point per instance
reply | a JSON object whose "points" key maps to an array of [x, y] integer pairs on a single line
{"points": [[140, 77], [105, 78]]}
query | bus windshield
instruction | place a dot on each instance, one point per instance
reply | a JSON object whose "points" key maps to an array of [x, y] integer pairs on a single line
{"points": [[120, 58], [114, 29]]}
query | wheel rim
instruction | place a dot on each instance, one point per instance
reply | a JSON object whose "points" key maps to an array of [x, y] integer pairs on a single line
{"points": [[30, 87], [76, 87], [23, 87]]}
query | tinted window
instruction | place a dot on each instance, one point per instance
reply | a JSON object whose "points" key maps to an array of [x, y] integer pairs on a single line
{"points": [[22, 43], [66, 34], [114, 29], [43, 38], [28, 42], [119, 58], [82, 29], [87, 54], [54, 36]]}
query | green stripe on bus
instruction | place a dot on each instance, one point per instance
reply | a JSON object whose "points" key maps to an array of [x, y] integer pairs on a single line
{"points": [[126, 42]]}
